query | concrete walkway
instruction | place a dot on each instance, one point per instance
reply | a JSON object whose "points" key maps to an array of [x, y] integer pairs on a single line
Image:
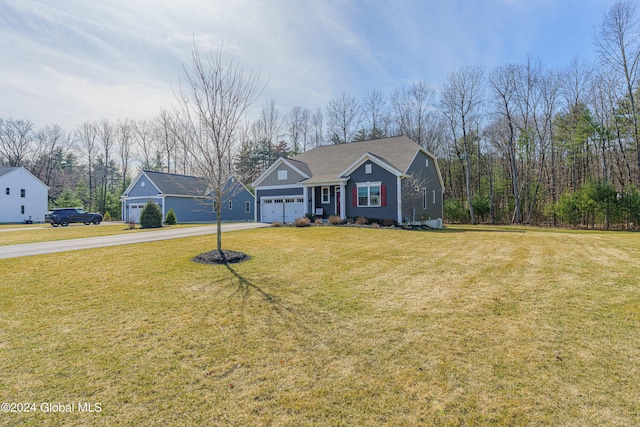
{"points": [[28, 249]]}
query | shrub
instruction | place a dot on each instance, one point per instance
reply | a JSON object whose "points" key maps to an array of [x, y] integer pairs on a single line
{"points": [[171, 218], [302, 222], [132, 224], [151, 217], [362, 220], [276, 224], [318, 221], [335, 220], [107, 216], [310, 216], [388, 222]]}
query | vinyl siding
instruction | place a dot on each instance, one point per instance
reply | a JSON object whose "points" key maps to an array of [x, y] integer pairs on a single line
{"points": [[377, 174], [293, 177], [429, 179]]}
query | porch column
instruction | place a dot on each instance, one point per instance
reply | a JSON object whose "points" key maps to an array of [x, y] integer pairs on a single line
{"points": [[399, 189], [304, 196], [343, 199], [313, 200]]}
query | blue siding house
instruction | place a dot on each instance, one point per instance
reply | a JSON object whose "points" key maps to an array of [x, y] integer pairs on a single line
{"points": [[390, 178], [188, 196]]}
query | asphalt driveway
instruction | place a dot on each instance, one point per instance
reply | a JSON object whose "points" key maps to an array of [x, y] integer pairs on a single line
{"points": [[14, 251]]}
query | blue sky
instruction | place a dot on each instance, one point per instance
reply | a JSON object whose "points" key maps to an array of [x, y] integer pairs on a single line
{"points": [[68, 61]]}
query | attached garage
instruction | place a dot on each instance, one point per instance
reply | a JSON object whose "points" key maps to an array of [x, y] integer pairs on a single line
{"points": [[134, 212], [281, 209]]}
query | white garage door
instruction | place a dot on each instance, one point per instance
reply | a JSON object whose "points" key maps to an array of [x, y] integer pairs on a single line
{"points": [[134, 212], [281, 209]]}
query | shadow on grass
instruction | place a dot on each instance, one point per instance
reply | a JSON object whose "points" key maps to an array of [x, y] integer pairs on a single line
{"points": [[289, 315], [480, 229]]}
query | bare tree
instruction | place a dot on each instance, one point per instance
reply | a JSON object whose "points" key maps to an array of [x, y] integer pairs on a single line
{"points": [[461, 101], [617, 41], [343, 119], [86, 135], [298, 126], [374, 114], [413, 110], [317, 121], [503, 82], [106, 136], [165, 135], [15, 141], [124, 134], [212, 99], [52, 143]]}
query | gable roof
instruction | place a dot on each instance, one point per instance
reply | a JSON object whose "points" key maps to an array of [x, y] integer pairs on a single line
{"points": [[7, 169], [4, 170], [329, 162]]}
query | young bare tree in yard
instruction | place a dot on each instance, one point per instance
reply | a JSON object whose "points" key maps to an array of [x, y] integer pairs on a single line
{"points": [[212, 100]]}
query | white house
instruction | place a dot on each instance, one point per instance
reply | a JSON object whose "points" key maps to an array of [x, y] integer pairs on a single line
{"points": [[22, 196]]}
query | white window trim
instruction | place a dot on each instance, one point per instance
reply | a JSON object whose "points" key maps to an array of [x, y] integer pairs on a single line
{"points": [[230, 205], [324, 201], [368, 185], [282, 175], [368, 168], [247, 207], [434, 196], [424, 198]]}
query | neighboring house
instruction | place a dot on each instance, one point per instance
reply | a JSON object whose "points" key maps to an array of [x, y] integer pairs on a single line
{"points": [[390, 178], [23, 197], [188, 196]]}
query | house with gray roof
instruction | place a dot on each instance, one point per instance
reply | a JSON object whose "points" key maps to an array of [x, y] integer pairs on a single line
{"points": [[388, 178], [188, 196], [23, 197]]}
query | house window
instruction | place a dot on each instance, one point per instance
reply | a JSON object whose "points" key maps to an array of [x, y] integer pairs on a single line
{"points": [[230, 205], [22, 193], [22, 209], [325, 194], [434, 196], [367, 168], [282, 175], [7, 191], [424, 198], [247, 207], [369, 194], [427, 162]]}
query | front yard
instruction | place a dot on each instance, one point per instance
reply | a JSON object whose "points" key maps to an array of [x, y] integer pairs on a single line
{"points": [[330, 326]]}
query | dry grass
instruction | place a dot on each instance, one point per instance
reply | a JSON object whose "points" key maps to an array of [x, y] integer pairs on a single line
{"points": [[331, 326], [40, 233]]}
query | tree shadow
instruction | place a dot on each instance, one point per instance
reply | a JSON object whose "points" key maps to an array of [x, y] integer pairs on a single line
{"points": [[288, 313]]}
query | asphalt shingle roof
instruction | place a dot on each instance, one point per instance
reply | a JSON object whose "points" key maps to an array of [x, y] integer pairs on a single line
{"points": [[327, 162], [7, 169], [170, 183]]}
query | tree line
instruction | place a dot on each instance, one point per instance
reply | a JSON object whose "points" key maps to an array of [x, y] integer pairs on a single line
{"points": [[519, 143]]}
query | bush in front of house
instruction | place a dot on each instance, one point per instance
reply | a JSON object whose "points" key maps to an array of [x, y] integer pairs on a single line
{"points": [[361, 220], [171, 219], [107, 216], [311, 216], [151, 217], [335, 220], [302, 222]]}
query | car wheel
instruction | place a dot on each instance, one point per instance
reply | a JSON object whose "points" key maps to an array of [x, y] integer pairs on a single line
{"points": [[87, 223], [64, 222], [96, 221], [53, 224]]}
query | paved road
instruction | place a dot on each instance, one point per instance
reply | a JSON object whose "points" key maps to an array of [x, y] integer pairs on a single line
{"points": [[14, 251]]}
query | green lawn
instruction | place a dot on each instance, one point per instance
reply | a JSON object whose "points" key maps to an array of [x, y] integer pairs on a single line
{"points": [[331, 326], [47, 233]]}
